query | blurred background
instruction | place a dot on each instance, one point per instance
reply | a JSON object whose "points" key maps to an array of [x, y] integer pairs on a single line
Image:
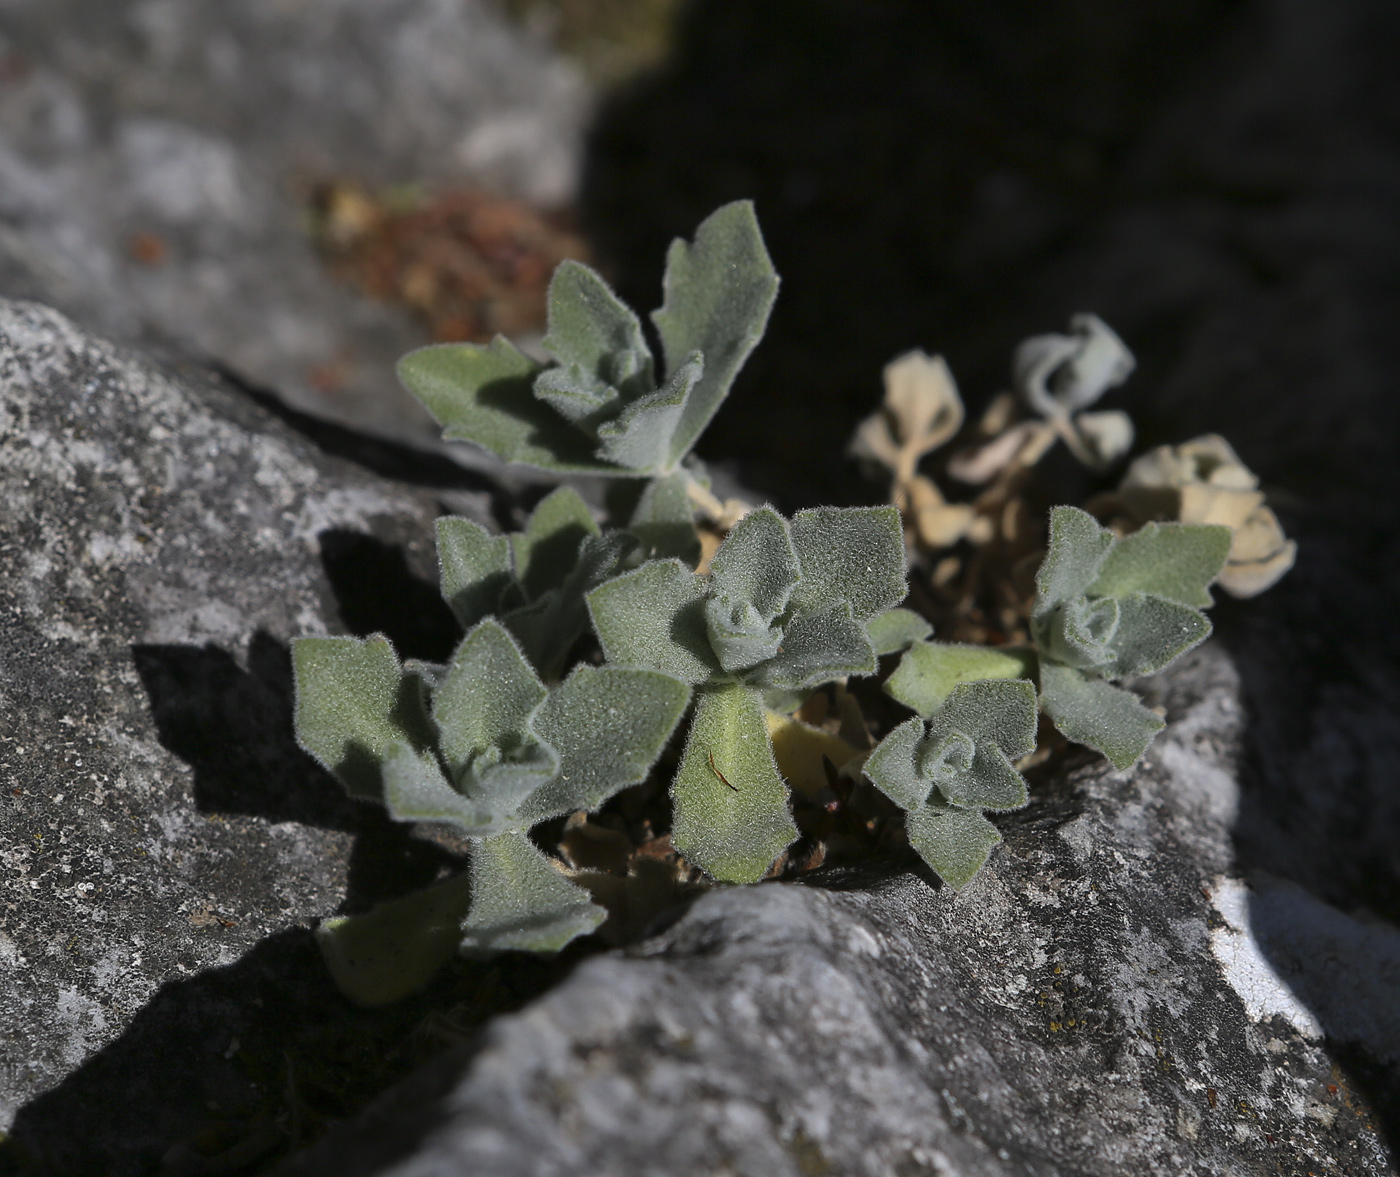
{"points": [[300, 190]]}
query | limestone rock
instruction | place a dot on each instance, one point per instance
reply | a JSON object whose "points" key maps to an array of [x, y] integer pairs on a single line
{"points": [[1094, 1003], [163, 539], [156, 158]]}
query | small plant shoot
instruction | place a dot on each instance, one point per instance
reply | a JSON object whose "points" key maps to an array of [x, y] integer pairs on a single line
{"points": [[786, 606], [605, 405], [755, 648]]}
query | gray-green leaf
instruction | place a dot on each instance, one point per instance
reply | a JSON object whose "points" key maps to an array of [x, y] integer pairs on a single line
{"points": [[895, 630], [894, 769], [929, 671], [640, 436], [520, 902], [718, 293], [757, 563], [1078, 549], [817, 647], [853, 554], [416, 790], [654, 618], [1173, 560], [475, 569], [591, 328], [546, 551], [664, 520], [353, 702], [1153, 632], [1095, 713], [730, 805], [955, 842]]}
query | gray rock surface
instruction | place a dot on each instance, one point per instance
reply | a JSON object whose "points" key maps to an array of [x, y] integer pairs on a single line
{"points": [[207, 124], [1095, 1003], [163, 539]]}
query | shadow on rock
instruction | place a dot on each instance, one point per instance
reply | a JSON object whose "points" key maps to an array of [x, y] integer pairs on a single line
{"points": [[228, 1069]]}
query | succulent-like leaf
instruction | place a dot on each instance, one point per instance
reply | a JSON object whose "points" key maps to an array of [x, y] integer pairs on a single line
{"points": [[730, 805], [484, 395], [955, 842], [1078, 549], [718, 292], [396, 948], [1096, 713], [482, 709], [475, 569], [1173, 560], [608, 725], [353, 702], [739, 635], [1000, 713], [817, 647], [520, 902], [654, 618], [757, 563], [853, 554], [894, 768], [415, 789], [593, 330], [664, 520], [990, 781], [896, 629], [639, 438], [1080, 632], [1153, 633], [929, 671], [547, 550]]}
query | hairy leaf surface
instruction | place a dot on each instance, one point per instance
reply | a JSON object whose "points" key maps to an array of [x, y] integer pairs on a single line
{"points": [[664, 520], [999, 713], [894, 769], [593, 329], [757, 563], [352, 702], [640, 436], [415, 789], [895, 630], [475, 570], [654, 617], [818, 647], [1173, 560], [929, 671], [1096, 713], [730, 805], [520, 902], [546, 551], [955, 842], [1153, 633], [853, 554], [1078, 549], [718, 292]]}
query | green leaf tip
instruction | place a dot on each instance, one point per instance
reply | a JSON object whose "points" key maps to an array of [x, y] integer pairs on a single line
{"points": [[943, 773], [731, 814], [600, 407], [1107, 609], [929, 671], [785, 605]]}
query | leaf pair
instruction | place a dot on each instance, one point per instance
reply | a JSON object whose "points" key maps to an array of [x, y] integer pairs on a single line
{"points": [[599, 409], [483, 745], [785, 606], [535, 580], [945, 773]]}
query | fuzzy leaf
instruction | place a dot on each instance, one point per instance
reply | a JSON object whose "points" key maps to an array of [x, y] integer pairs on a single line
{"points": [[989, 782], [1095, 713], [817, 648], [520, 902], [482, 709], [1153, 633], [997, 713], [1173, 560], [1078, 549], [757, 563], [664, 520], [655, 618], [483, 395], [352, 703], [955, 842], [475, 570], [853, 554], [548, 628], [640, 437], [896, 629], [718, 292], [929, 671], [546, 551], [396, 948], [609, 725], [739, 635], [733, 831], [416, 790], [894, 769], [1080, 632], [590, 328]]}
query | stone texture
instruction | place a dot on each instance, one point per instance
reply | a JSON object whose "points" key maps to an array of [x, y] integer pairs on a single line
{"points": [[206, 125], [1095, 1003], [163, 539]]}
